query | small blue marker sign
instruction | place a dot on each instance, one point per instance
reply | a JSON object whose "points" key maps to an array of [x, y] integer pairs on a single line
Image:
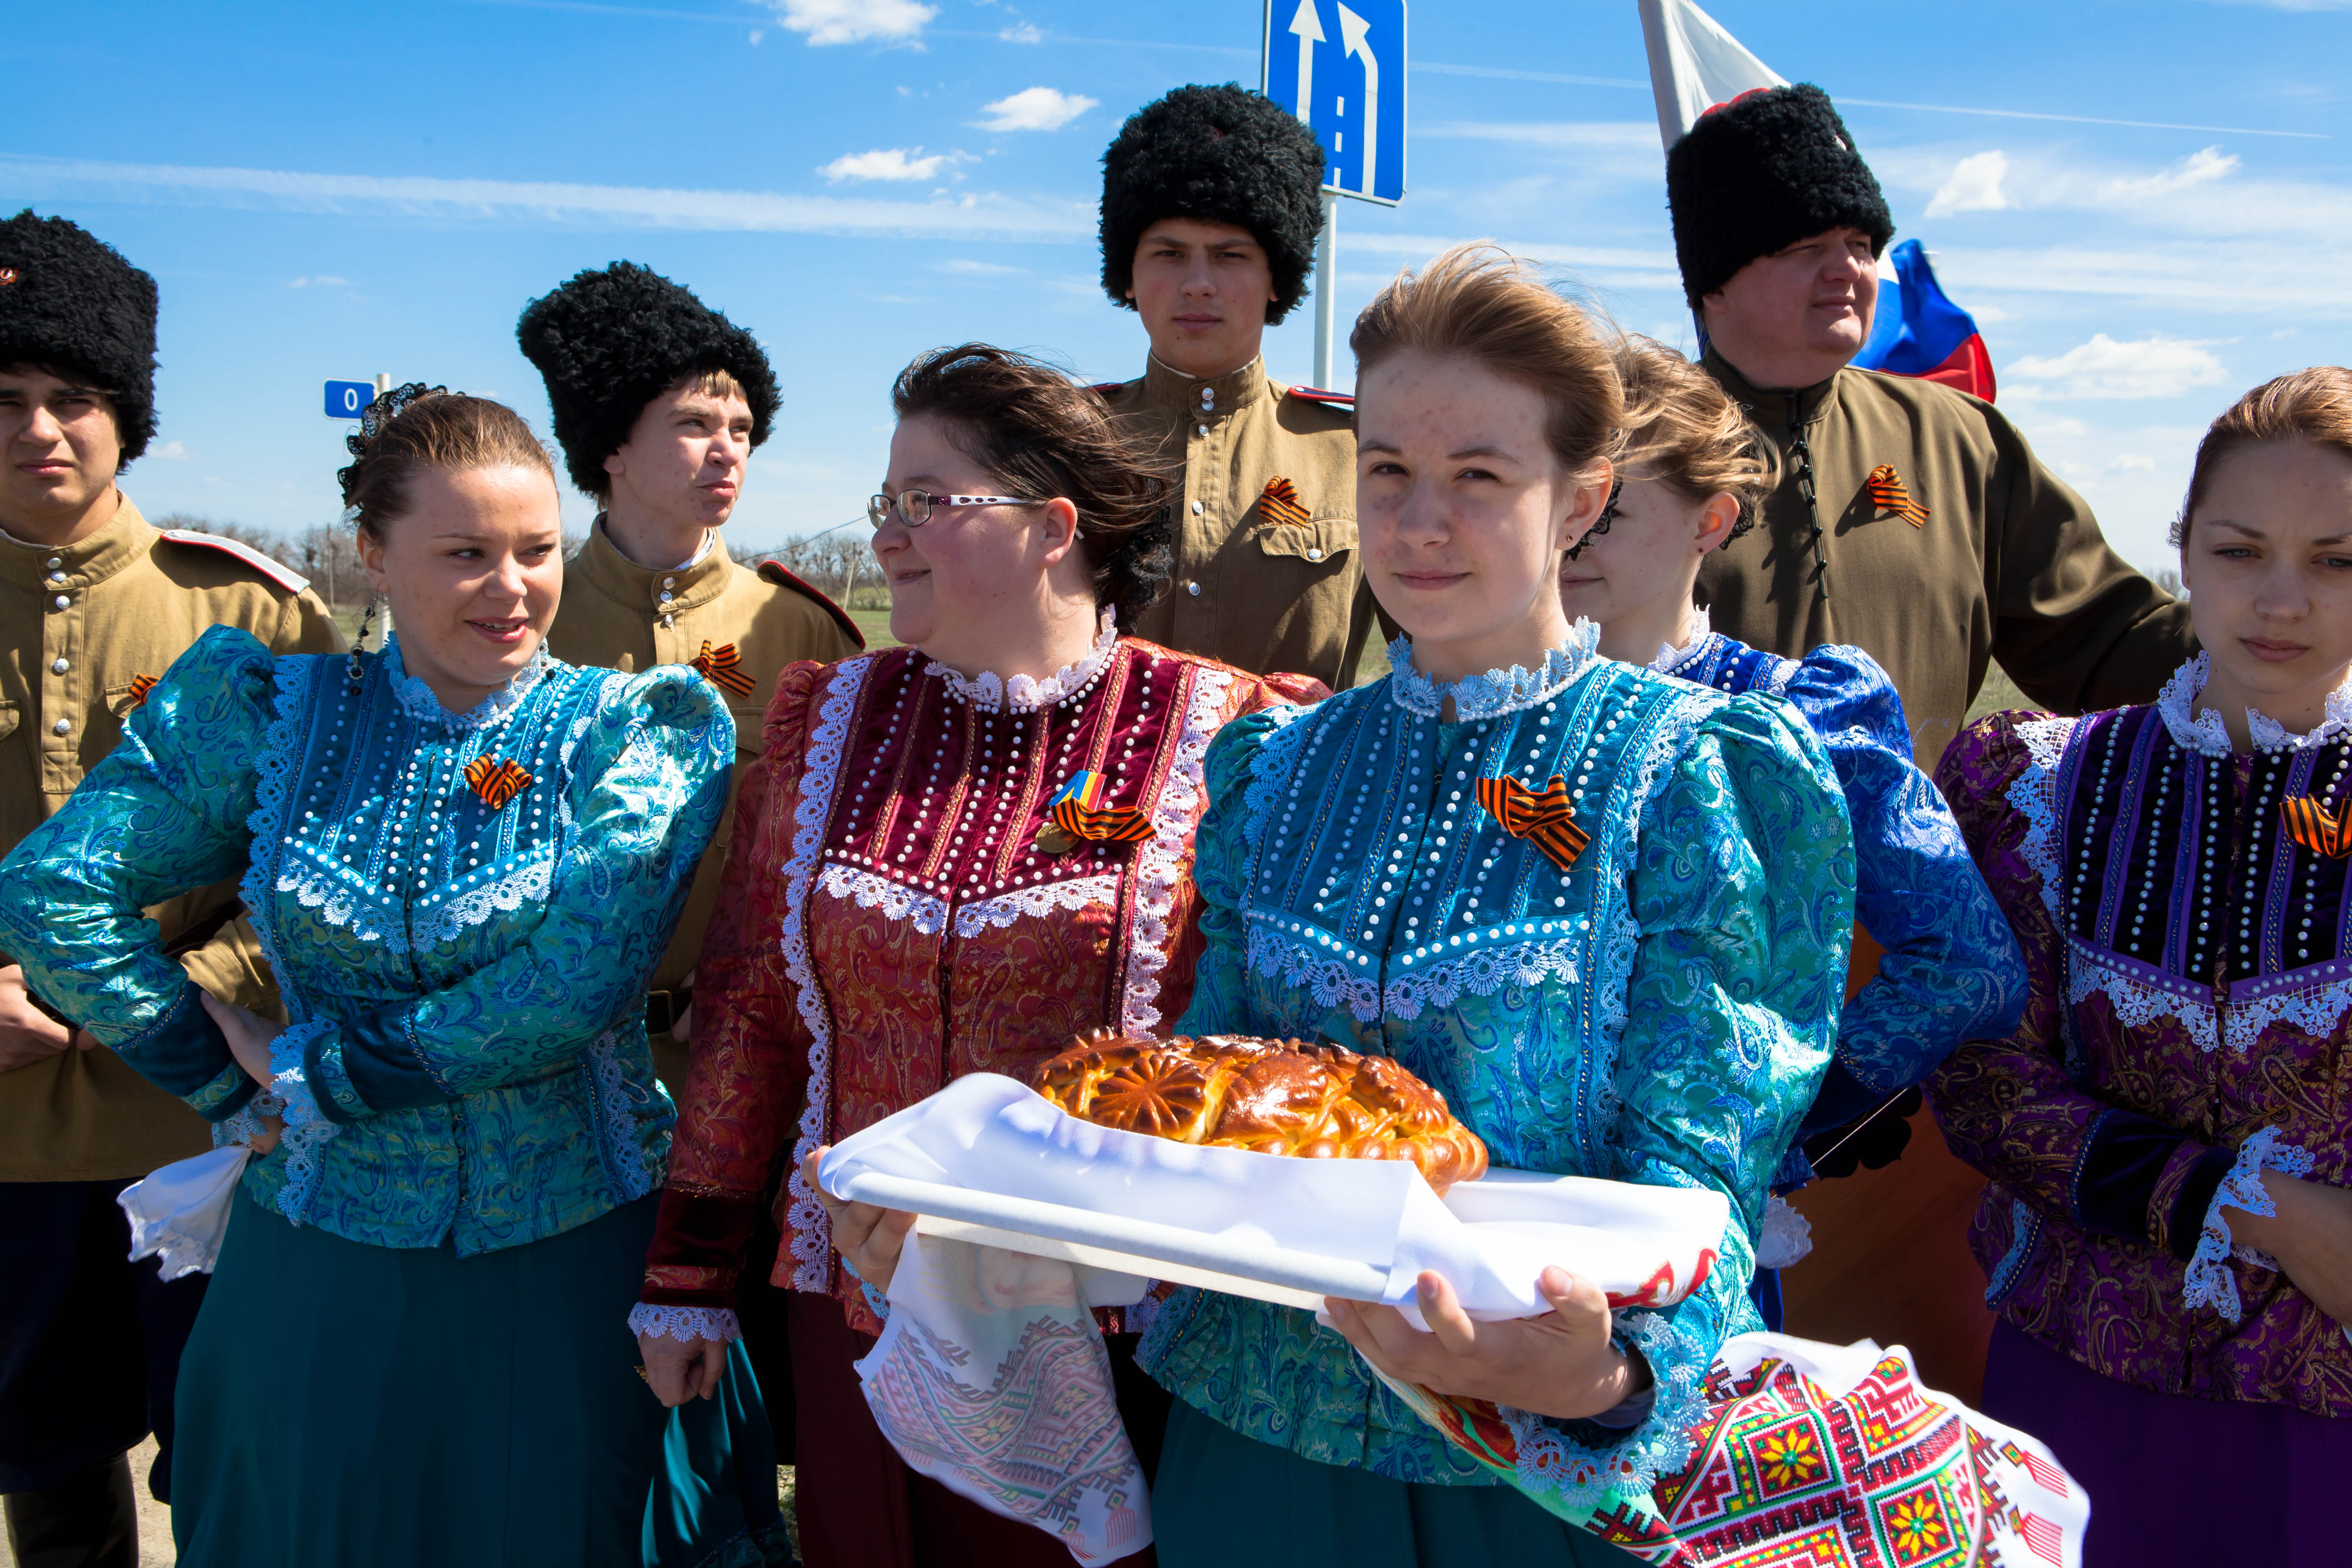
{"points": [[345, 399]]}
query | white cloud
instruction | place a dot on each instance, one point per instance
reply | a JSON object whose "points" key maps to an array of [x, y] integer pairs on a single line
{"points": [[1035, 109], [1023, 33], [322, 280], [2199, 168], [173, 450], [2104, 368], [855, 21], [622, 206], [1972, 186], [884, 163], [971, 268]]}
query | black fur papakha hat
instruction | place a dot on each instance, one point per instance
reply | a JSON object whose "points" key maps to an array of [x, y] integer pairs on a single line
{"points": [[70, 302], [1760, 173], [1223, 154], [609, 343]]}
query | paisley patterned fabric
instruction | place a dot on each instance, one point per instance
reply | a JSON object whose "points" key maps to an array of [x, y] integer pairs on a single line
{"points": [[467, 1057], [1952, 970], [889, 920], [1661, 1010], [2188, 1025]]}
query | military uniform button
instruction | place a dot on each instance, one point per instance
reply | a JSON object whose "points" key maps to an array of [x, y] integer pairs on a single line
{"points": [[1196, 509], [63, 726], [1204, 429], [59, 667], [56, 576], [669, 581], [666, 597], [1315, 555], [1193, 589], [61, 602], [55, 561]]}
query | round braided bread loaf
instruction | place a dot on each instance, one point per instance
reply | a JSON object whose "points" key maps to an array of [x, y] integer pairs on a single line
{"points": [[1274, 1096]]}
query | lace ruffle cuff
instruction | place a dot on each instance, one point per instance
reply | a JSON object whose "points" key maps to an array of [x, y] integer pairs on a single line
{"points": [[309, 1130], [2211, 1283], [685, 1324], [1573, 1461]]}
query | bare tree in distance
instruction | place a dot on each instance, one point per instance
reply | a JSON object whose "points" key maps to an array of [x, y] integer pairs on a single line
{"points": [[839, 563]]}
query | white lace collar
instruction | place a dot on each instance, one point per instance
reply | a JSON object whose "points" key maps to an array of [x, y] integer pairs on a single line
{"points": [[2204, 730], [1025, 693], [416, 698], [1499, 691], [1670, 658]]}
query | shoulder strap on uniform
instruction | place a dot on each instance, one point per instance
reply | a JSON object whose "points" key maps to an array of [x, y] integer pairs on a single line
{"points": [[1106, 387], [773, 573], [1316, 395], [284, 576]]}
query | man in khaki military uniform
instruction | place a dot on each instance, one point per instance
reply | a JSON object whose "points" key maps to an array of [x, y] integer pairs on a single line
{"points": [[1212, 202], [659, 401], [94, 605], [1914, 522]]}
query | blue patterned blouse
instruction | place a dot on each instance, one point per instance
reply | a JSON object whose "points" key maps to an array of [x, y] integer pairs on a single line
{"points": [[1661, 1011], [467, 1054], [1951, 972]]}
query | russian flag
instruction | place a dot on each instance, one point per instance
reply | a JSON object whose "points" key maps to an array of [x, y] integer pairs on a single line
{"points": [[1919, 331], [1694, 66]]}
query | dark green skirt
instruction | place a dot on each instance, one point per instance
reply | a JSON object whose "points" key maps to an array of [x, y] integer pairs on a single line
{"points": [[392, 1407], [1223, 1500]]}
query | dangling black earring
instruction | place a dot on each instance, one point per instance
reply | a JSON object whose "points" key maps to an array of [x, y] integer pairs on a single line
{"points": [[367, 624]]}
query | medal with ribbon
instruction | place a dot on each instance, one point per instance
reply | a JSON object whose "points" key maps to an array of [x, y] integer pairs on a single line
{"points": [[723, 668], [1543, 819], [2311, 824], [497, 782], [1075, 816]]}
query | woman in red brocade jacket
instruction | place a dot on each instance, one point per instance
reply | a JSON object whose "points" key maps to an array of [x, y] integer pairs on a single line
{"points": [[902, 905]]}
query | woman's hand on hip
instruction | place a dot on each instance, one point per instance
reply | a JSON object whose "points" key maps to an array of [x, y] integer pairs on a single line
{"points": [[680, 1370], [868, 1236], [2311, 1236], [249, 1036], [1559, 1364]]}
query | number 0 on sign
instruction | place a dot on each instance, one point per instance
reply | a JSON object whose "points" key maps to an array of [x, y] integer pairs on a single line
{"points": [[346, 399], [1338, 65]]}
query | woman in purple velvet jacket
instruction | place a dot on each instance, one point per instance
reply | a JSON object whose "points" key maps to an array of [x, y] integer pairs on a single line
{"points": [[2168, 1233]]}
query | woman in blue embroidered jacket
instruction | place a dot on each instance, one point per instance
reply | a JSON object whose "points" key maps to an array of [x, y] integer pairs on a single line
{"points": [[463, 858], [1650, 995], [1947, 966]]}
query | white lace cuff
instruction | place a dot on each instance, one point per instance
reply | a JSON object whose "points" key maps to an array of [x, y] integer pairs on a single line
{"points": [[244, 1124], [685, 1324], [1785, 1237], [2211, 1283]]}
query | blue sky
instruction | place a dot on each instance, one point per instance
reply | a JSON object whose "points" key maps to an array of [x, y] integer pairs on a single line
{"points": [[331, 191]]}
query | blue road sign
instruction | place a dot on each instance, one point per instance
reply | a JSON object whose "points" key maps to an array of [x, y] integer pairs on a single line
{"points": [[1338, 65], [346, 398]]}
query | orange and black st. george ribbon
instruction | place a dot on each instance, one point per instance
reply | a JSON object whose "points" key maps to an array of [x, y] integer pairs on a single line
{"points": [[141, 685], [497, 782], [723, 668], [2311, 824], [1543, 819], [1278, 503], [1887, 494], [1073, 817]]}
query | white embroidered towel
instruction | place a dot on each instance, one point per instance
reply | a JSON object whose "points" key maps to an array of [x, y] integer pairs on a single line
{"points": [[988, 1159], [181, 1210]]}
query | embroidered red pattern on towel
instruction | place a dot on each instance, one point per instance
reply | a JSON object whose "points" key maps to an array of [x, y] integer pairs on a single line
{"points": [[497, 782], [723, 668], [1887, 494], [1547, 820]]}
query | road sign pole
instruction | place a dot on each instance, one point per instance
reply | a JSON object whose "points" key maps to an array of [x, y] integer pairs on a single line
{"points": [[1326, 291]]}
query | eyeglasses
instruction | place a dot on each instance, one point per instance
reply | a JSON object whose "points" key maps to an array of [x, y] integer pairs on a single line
{"points": [[914, 507]]}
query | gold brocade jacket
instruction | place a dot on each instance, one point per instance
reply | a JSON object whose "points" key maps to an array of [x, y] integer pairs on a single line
{"points": [[618, 615], [84, 629], [1267, 575], [2007, 561]]}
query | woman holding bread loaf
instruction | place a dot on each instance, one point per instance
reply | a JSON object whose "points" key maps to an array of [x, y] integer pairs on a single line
{"points": [[955, 856], [1604, 913]]}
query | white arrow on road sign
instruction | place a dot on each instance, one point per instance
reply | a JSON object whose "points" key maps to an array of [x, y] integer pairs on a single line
{"points": [[1309, 28], [1352, 27]]}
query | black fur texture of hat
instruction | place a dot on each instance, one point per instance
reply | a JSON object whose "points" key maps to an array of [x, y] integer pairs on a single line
{"points": [[610, 342], [1221, 154], [70, 302], [1760, 173]]}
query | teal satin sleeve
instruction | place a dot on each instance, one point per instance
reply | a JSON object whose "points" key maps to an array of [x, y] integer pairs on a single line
{"points": [[162, 813], [1222, 848]]}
